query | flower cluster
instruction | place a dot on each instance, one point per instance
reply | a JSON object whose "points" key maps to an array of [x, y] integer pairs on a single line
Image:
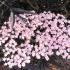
{"points": [[41, 35]]}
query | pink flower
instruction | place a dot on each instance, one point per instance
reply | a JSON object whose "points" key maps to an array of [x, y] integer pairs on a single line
{"points": [[36, 37]]}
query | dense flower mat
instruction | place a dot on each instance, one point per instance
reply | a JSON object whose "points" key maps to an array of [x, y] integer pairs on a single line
{"points": [[40, 35]]}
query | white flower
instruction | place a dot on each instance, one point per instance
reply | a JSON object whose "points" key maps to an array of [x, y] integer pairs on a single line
{"points": [[38, 56], [46, 57], [58, 53], [23, 64]]}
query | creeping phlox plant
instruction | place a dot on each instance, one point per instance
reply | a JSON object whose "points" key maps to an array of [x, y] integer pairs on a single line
{"points": [[41, 35]]}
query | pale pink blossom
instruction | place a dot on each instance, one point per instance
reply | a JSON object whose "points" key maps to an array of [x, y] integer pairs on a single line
{"points": [[38, 36]]}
